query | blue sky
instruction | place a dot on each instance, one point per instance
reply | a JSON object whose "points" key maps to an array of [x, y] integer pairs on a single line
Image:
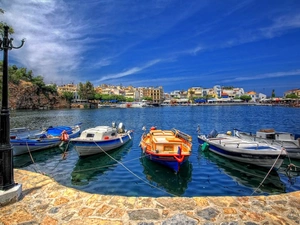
{"points": [[176, 44]]}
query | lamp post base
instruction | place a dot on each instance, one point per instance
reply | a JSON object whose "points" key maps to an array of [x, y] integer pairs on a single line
{"points": [[6, 167], [10, 196]]}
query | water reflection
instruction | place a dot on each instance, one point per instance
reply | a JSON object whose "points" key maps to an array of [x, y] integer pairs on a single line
{"points": [[38, 157], [290, 173], [246, 174], [162, 177], [86, 169]]}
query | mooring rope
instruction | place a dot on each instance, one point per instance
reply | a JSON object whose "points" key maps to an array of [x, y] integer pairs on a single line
{"points": [[268, 172], [132, 172], [32, 160]]}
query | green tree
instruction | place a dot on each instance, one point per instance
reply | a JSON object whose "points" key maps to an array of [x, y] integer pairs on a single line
{"points": [[51, 88], [245, 98], [148, 99], [68, 96], [191, 92], [86, 91], [2, 24], [98, 96], [273, 93], [129, 99], [292, 95]]}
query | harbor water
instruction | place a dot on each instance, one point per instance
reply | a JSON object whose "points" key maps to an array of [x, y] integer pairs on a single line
{"points": [[126, 172]]}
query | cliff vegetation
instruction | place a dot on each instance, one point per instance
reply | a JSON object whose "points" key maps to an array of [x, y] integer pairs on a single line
{"points": [[26, 91]]}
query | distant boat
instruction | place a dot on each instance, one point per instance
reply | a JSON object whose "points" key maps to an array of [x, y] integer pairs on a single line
{"points": [[132, 105], [101, 139], [231, 147], [168, 147], [287, 140], [39, 140]]}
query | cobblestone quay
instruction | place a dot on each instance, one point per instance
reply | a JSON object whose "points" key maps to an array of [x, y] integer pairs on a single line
{"points": [[44, 201]]}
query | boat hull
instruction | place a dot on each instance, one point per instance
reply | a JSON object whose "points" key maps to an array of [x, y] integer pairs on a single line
{"points": [[91, 147], [168, 161], [24, 145], [264, 156], [292, 146]]}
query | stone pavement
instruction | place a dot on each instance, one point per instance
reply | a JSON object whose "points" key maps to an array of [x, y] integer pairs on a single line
{"points": [[46, 202]]}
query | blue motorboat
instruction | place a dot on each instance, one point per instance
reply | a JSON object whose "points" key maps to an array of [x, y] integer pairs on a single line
{"points": [[39, 140]]}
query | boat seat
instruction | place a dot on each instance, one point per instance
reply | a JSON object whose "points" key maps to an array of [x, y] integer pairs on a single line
{"points": [[173, 139]]}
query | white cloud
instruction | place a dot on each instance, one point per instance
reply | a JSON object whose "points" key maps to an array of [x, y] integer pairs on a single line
{"points": [[128, 72], [265, 75], [52, 47]]}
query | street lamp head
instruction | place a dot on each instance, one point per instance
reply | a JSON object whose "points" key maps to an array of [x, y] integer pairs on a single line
{"points": [[6, 43]]}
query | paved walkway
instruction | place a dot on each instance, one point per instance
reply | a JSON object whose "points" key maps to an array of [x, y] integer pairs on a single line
{"points": [[46, 202]]}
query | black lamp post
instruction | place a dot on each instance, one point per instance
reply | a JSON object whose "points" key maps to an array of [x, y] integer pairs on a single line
{"points": [[6, 153]]}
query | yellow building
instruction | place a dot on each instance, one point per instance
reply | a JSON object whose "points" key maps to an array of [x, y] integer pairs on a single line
{"points": [[155, 93], [67, 88]]}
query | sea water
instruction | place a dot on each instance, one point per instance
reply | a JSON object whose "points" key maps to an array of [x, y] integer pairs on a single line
{"points": [[128, 173]]}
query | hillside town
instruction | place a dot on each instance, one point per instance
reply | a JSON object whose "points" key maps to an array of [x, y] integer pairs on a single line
{"points": [[194, 95]]}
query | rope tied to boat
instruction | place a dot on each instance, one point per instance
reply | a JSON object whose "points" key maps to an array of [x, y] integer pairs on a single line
{"points": [[32, 160], [282, 149], [132, 172]]}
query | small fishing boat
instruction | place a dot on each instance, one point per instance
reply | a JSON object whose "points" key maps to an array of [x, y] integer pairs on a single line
{"points": [[287, 140], [168, 147], [259, 154], [101, 139], [43, 139]]}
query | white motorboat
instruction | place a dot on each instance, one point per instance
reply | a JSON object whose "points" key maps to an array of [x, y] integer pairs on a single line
{"points": [[284, 139], [101, 139], [259, 154]]}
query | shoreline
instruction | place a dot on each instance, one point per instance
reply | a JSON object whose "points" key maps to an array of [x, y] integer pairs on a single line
{"points": [[44, 201]]}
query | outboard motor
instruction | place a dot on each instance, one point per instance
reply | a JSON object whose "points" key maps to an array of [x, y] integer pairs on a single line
{"points": [[213, 134], [121, 128], [113, 124]]}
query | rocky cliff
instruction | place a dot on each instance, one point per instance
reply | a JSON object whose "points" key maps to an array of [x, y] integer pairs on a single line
{"points": [[25, 95]]}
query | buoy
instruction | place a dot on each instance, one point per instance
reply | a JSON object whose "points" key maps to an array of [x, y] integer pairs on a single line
{"points": [[205, 146], [64, 136]]}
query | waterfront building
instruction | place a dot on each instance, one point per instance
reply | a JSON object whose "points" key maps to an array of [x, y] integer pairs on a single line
{"points": [[293, 91], [256, 97], [132, 92], [233, 92], [195, 92], [156, 93], [69, 88], [217, 91], [175, 94]]}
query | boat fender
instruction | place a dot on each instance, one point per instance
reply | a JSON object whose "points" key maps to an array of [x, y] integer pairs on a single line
{"points": [[64, 136], [205, 146], [180, 158], [144, 149], [121, 140], [129, 135], [106, 138]]}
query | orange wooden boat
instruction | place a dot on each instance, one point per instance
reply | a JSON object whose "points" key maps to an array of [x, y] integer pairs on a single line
{"points": [[168, 147]]}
